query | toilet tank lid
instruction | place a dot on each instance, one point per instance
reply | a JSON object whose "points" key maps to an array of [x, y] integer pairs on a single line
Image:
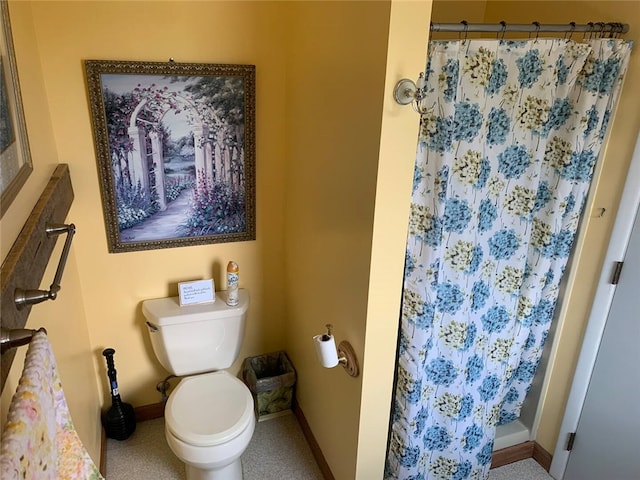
{"points": [[167, 311]]}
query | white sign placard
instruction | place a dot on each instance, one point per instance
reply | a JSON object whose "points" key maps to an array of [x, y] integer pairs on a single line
{"points": [[198, 291]]}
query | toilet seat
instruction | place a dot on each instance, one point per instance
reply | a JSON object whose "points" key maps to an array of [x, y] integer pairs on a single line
{"points": [[209, 409]]}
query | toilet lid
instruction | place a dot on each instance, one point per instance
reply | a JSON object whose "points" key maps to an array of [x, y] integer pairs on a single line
{"points": [[209, 409]]}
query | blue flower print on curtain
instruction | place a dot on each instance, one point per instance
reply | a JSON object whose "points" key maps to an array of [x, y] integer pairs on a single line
{"points": [[467, 121], [499, 125], [508, 142], [456, 215], [513, 161], [529, 68]]}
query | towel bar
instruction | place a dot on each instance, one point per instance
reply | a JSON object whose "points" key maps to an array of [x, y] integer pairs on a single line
{"points": [[23, 298], [15, 337], [25, 264]]}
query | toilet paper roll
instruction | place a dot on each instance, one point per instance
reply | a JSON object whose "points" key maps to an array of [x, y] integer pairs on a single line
{"points": [[326, 350]]}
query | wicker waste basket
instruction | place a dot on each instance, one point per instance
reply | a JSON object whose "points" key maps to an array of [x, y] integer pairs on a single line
{"points": [[271, 379]]}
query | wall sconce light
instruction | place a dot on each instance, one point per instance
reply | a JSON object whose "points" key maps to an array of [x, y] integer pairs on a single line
{"points": [[330, 356], [408, 92]]}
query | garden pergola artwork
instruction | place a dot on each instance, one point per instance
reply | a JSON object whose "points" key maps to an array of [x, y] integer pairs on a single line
{"points": [[163, 136]]}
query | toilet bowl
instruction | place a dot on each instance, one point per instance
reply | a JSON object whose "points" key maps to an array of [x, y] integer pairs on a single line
{"points": [[209, 422]]}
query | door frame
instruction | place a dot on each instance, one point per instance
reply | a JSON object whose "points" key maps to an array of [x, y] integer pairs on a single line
{"points": [[603, 298]]}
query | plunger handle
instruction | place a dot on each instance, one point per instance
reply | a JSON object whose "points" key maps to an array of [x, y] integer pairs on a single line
{"points": [[111, 369]]}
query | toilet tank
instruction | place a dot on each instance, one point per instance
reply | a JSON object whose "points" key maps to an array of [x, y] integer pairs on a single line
{"points": [[196, 338]]}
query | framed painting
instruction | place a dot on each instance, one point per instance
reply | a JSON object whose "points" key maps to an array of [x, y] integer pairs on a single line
{"points": [[175, 147], [15, 156]]}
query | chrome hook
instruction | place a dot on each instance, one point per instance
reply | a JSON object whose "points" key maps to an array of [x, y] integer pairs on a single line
{"points": [[537, 24], [569, 34], [503, 30], [588, 31], [408, 92], [465, 31]]}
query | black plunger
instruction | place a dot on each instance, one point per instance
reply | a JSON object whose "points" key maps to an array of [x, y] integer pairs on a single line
{"points": [[119, 421]]}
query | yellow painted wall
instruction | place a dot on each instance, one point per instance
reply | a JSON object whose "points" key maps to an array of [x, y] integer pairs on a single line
{"points": [[65, 322], [64, 319], [608, 182], [336, 62], [114, 285], [398, 139], [454, 11], [43, 148]]}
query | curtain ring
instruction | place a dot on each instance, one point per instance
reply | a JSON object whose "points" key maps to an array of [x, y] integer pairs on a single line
{"points": [[503, 30], [570, 33], [615, 30], [466, 30], [589, 31], [537, 24], [601, 26]]}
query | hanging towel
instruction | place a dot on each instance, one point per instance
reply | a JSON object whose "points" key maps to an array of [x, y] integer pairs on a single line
{"points": [[39, 440]]}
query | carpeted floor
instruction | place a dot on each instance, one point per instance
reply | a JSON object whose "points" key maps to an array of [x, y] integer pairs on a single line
{"points": [[278, 451], [527, 469]]}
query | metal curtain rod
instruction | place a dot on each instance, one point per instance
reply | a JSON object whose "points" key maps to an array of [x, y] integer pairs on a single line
{"points": [[535, 27]]}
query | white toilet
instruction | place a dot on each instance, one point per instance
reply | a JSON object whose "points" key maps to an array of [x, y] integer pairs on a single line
{"points": [[209, 418]]}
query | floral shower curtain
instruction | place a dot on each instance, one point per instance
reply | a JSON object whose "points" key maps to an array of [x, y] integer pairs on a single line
{"points": [[509, 137]]}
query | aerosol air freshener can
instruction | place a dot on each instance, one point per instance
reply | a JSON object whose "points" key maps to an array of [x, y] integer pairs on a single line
{"points": [[232, 283]]}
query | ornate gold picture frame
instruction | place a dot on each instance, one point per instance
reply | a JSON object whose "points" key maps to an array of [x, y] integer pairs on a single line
{"points": [[175, 145]]}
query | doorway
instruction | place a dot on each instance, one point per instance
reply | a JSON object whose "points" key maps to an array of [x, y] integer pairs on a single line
{"points": [[602, 409]]}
